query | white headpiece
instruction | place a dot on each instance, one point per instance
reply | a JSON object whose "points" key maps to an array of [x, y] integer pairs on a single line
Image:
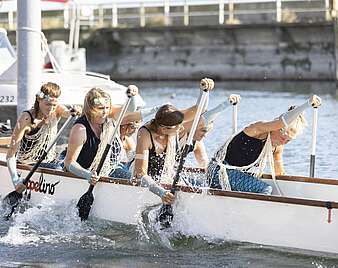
{"points": [[42, 95]]}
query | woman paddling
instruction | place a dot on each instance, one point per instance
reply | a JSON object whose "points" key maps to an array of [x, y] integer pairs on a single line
{"points": [[157, 147], [238, 163], [91, 133], [204, 127], [127, 130], [33, 131]]}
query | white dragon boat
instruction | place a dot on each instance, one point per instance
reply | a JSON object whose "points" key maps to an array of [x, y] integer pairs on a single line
{"points": [[305, 217]]}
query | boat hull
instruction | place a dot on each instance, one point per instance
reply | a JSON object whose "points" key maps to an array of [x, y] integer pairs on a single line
{"points": [[269, 220], [74, 86]]}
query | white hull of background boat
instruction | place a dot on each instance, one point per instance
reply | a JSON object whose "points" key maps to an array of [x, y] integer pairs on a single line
{"points": [[299, 219], [74, 86], [74, 83]]}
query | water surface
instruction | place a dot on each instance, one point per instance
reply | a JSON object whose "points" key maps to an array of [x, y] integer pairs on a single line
{"points": [[53, 236]]}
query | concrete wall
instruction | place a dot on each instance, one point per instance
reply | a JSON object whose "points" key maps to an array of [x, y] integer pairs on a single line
{"points": [[242, 52]]}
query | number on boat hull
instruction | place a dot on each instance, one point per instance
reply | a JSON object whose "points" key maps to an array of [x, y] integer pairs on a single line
{"points": [[4, 99]]}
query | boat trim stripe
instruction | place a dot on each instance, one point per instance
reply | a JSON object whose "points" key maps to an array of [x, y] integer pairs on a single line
{"points": [[253, 196]]}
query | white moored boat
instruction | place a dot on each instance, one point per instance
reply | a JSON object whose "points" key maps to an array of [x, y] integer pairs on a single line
{"points": [[74, 83], [305, 217]]}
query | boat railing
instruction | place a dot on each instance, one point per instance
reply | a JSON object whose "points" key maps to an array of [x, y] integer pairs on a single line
{"points": [[104, 76], [199, 190], [94, 74], [125, 13]]}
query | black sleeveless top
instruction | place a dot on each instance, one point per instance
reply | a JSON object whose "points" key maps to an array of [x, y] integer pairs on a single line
{"points": [[90, 147], [30, 143], [155, 161], [243, 150], [34, 130]]}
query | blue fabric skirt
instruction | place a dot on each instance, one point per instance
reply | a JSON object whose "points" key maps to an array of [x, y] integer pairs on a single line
{"points": [[239, 180]]}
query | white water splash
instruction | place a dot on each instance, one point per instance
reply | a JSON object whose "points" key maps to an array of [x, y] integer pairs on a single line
{"points": [[17, 235], [150, 229], [52, 222]]}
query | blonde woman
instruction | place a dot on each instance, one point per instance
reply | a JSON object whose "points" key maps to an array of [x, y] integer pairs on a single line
{"points": [[233, 164], [34, 130], [91, 132]]}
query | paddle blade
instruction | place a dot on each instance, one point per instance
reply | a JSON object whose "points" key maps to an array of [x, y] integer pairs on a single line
{"points": [[165, 216], [85, 204], [10, 202]]}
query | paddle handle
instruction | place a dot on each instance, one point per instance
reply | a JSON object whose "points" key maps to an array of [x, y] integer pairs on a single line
{"points": [[313, 143], [189, 140], [50, 146], [197, 116], [166, 215], [234, 117]]}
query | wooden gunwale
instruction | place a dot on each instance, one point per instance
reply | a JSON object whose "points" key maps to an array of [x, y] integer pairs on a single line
{"points": [[215, 192]]}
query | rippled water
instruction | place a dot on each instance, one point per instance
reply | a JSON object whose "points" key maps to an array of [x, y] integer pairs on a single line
{"points": [[52, 235]]}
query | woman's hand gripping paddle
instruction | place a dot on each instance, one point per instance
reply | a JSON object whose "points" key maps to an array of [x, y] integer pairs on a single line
{"points": [[87, 199], [166, 215], [13, 198]]}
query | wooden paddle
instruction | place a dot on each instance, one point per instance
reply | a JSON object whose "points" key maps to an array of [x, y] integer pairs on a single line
{"points": [[166, 215], [314, 140], [87, 199], [13, 198]]}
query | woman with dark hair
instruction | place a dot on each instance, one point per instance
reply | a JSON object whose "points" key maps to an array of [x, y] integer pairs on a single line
{"points": [[34, 130], [158, 148], [157, 144]]}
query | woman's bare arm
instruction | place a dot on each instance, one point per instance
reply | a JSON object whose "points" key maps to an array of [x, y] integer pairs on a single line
{"points": [[142, 152], [201, 154], [77, 138], [128, 118], [258, 128], [22, 126], [278, 160], [63, 111]]}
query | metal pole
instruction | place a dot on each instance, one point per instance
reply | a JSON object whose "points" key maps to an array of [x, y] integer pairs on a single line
{"points": [[114, 15], [335, 27], [314, 141], [278, 10], [66, 18], [166, 13], [142, 15], [186, 13], [221, 12], [101, 16], [231, 12], [73, 17], [11, 20], [29, 52], [327, 11], [77, 29]]}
